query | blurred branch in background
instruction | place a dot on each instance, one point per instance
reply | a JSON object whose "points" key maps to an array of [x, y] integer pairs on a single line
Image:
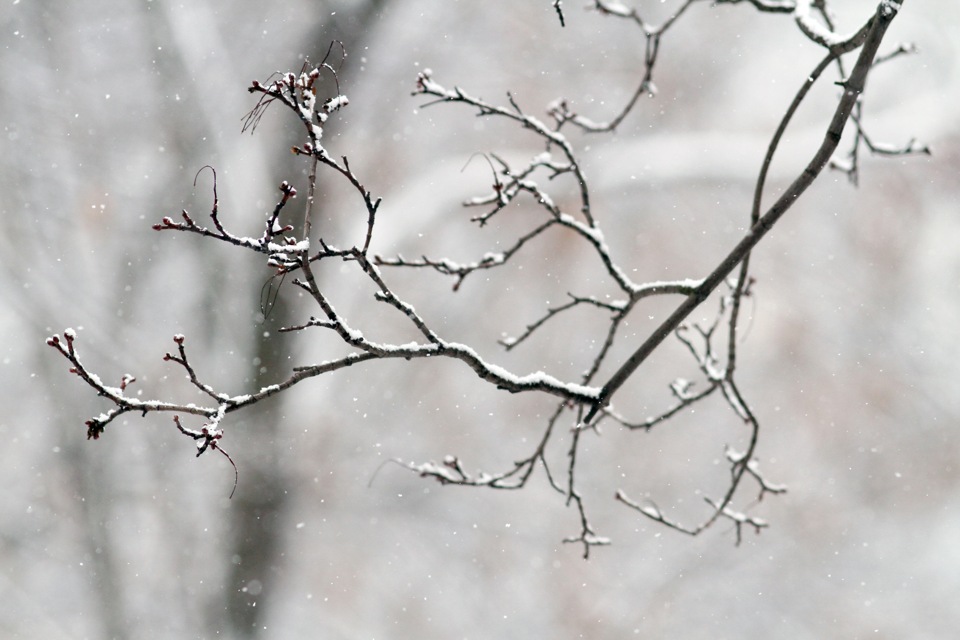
{"points": [[314, 95]]}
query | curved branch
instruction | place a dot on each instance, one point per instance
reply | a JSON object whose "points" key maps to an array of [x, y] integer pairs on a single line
{"points": [[853, 87]]}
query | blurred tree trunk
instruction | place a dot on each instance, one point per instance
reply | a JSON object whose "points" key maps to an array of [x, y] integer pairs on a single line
{"points": [[256, 514], [257, 509]]}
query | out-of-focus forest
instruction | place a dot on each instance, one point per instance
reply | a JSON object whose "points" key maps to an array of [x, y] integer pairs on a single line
{"points": [[110, 108]]}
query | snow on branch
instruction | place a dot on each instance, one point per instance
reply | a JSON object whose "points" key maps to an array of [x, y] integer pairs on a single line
{"points": [[581, 405]]}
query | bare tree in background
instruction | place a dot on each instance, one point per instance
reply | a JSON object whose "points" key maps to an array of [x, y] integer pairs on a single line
{"points": [[294, 252]]}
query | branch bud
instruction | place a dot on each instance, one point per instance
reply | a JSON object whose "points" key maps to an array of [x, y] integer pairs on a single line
{"points": [[94, 429]]}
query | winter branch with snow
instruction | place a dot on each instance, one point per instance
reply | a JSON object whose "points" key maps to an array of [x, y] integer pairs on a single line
{"points": [[313, 95]]}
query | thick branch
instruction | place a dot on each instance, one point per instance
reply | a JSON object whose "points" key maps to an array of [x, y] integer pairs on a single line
{"points": [[853, 87]]}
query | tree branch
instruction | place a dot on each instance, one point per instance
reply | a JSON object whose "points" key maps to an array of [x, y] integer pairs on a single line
{"points": [[853, 87]]}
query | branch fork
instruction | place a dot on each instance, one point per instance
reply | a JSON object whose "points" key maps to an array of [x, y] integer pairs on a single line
{"points": [[581, 404]]}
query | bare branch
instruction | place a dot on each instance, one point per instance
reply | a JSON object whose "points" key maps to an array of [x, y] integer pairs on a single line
{"points": [[556, 6], [314, 95], [853, 87]]}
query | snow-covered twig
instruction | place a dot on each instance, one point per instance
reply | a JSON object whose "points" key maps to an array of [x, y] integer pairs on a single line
{"points": [[581, 404]]}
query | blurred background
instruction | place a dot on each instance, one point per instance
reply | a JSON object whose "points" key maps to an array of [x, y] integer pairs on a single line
{"points": [[109, 110]]}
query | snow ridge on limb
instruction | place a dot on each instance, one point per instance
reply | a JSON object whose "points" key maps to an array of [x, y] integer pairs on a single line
{"points": [[314, 95]]}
